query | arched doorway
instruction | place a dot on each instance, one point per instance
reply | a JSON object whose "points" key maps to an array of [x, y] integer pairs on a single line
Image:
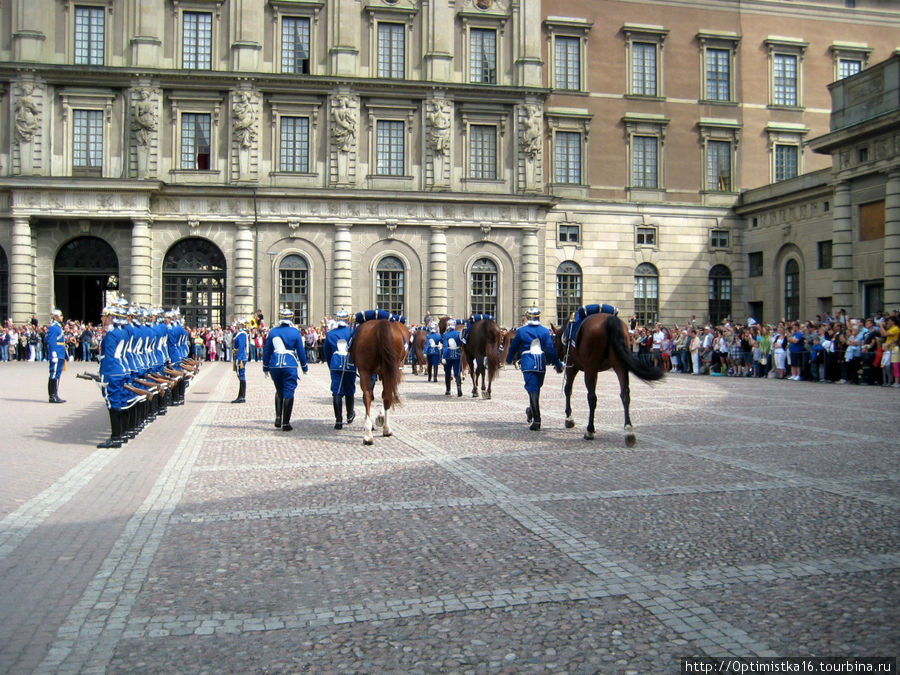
{"points": [[194, 281], [85, 269]]}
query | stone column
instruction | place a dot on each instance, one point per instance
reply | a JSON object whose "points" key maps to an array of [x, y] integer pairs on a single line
{"points": [[530, 268], [21, 271], [243, 272], [892, 241], [437, 275], [842, 291], [140, 262], [342, 291]]}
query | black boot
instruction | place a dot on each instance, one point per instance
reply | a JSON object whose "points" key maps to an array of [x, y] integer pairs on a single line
{"points": [[279, 406], [115, 440], [338, 406], [447, 381], [458, 387], [351, 414], [242, 390], [53, 391], [535, 398], [286, 410]]}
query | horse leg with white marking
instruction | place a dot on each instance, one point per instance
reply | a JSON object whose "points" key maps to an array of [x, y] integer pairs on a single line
{"points": [[571, 372], [625, 395], [365, 381]]}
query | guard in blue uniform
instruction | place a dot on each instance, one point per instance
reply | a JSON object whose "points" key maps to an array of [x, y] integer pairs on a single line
{"points": [[450, 357], [56, 344], [283, 352], [533, 348], [343, 372], [239, 359], [114, 375], [433, 351]]}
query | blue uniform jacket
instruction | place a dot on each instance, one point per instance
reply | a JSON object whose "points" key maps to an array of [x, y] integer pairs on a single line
{"points": [[447, 353], [433, 343], [240, 346], [294, 353], [520, 348], [112, 353], [335, 360], [56, 342]]}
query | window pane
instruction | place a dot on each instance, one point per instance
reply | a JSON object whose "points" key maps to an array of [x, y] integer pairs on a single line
{"points": [[568, 63], [87, 138], [785, 162], [295, 144], [848, 67], [197, 41], [568, 291], [643, 69], [294, 287], [484, 287], [482, 56], [646, 293], [294, 45], [718, 75], [482, 151], [644, 162], [195, 141], [792, 291], [718, 166], [568, 157], [389, 149], [390, 285], [785, 79], [391, 46], [89, 35]]}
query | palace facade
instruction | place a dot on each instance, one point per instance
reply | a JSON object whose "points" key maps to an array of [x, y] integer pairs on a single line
{"points": [[415, 155]]}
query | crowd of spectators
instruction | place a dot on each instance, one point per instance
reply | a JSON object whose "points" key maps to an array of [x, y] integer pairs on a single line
{"points": [[835, 349]]}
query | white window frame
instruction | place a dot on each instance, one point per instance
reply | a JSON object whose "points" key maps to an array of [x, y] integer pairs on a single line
{"points": [[565, 27], [642, 230], [196, 103], [72, 99], [494, 161], [723, 130], [643, 124], [476, 116], [849, 51], [492, 17], [297, 9], [572, 121], [397, 14], [394, 112], [295, 107], [720, 239], [107, 7], [212, 8], [784, 133], [786, 46], [645, 34], [724, 41], [568, 225]]}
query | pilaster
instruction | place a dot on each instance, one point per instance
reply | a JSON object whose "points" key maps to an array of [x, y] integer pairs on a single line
{"points": [[842, 291], [437, 270], [892, 241]]}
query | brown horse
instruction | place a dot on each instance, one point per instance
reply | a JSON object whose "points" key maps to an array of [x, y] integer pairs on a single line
{"points": [[601, 344], [417, 343], [379, 348], [482, 352], [505, 341]]}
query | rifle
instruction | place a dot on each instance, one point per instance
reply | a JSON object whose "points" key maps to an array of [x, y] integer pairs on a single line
{"points": [[88, 376]]}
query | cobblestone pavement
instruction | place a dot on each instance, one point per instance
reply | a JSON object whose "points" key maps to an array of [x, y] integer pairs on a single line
{"points": [[752, 518]]}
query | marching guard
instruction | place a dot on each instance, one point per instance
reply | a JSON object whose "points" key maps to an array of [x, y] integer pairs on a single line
{"points": [[56, 343], [283, 352], [343, 372], [239, 360], [433, 351], [532, 346], [451, 356]]}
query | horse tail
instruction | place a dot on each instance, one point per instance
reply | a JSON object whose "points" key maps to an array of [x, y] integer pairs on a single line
{"points": [[619, 342], [392, 359], [492, 349]]}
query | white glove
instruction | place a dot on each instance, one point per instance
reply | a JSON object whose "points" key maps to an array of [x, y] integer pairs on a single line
{"points": [[266, 374], [443, 362]]}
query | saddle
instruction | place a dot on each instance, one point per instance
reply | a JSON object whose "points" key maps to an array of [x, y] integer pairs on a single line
{"points": [[570, 334]]}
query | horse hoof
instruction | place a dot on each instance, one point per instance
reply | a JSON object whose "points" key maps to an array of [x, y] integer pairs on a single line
{"points": [[570, 424], [487, 397], [475, 394], [379, 421], [630, 440], [388, 433], [588, 435], [368, 441]]}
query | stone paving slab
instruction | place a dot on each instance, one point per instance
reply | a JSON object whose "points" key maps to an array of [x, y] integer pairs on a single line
{"points": [[464, 542]]}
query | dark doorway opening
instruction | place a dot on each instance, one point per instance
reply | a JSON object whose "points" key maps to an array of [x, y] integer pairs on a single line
{"points": [[85, 271]]}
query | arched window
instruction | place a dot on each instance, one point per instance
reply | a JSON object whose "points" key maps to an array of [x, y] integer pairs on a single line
{"points": [[294, 287], [568, 290], [646, 294], [194, 281], [390, 285], [84, 270], [4, 286], [792, 290], [484, 287], [719, 294]]}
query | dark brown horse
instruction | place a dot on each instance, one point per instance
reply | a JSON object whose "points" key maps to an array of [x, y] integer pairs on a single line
{"points": [[601, 344], [417, 344], [505, 340], [379, 348], [482, 352]]}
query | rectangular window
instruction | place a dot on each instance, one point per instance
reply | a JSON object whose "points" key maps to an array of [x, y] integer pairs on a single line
{"points": [[720, 239], [568, 158], [646, 236], [391, 50], [718, 166], [643, 69], [87, 139], [755, 264], [195, 132], [389, 290], [484, 293], [718, 74], [824, 255], [295, 45], [871, 221], [294, 144], [89, 35], [483, 151], [785, 79], [644, 162], [389, 148], [568, 63], [848, 67], [785, 162], [569, 234], [197, 41], [483, 56]]}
